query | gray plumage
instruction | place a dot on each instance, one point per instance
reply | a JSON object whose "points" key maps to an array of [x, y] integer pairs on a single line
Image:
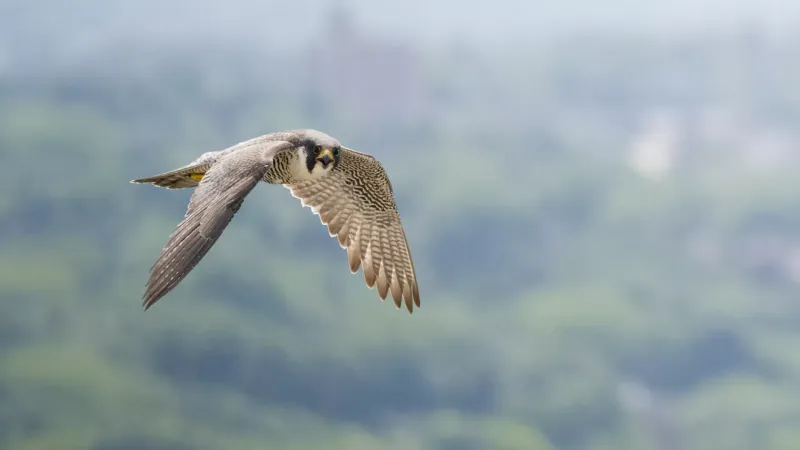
{"points": [[348, 190]]}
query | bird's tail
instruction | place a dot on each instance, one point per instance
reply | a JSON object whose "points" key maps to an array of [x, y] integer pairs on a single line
{"points": [[185, 177]]}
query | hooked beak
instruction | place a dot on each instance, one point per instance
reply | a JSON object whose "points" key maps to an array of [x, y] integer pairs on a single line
{"points": [[325, 157]]}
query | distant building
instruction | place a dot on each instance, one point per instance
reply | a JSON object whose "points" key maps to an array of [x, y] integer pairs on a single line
{"points": [[708, 138], [653, 152], [365, 77]]}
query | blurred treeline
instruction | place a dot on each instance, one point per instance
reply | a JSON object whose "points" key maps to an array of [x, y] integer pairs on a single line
{"points": [[606, 233]]}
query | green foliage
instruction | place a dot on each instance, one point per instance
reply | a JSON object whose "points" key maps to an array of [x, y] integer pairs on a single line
{"points": [[553, 279]]}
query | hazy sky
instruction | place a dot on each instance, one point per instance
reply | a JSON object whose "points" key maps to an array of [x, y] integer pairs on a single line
{"points": [[501, 19], [481, 21]]}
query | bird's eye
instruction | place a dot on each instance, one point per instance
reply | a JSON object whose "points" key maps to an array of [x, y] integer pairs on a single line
{"points": [[336, 151], [317, 150]]}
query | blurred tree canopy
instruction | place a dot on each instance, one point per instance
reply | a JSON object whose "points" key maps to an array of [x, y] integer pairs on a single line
{"points": [[567, 302]]}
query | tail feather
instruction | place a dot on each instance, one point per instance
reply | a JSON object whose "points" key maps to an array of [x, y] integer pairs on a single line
{"points": [[185, 177]]}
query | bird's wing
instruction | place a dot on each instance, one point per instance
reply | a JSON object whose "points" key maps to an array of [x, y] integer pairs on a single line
{"points": [[357, 204], [215, 201]]}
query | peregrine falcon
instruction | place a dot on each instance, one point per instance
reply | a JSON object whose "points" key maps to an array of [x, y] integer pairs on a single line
{"points": [[348, 190]]}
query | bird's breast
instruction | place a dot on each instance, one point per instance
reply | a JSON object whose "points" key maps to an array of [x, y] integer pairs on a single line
{"points": [[287, 168], [282, 170]]}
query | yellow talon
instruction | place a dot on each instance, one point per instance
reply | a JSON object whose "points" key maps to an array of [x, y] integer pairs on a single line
{"points": [[196, 176]]}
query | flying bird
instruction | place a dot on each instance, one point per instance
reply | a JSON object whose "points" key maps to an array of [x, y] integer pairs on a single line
{"points": [[348, 190]]}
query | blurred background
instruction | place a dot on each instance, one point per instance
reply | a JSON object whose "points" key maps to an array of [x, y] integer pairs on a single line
{"points": [[600, 197]]}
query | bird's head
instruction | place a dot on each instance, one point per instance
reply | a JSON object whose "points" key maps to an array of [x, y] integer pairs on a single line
{"points": [[321, 153]]}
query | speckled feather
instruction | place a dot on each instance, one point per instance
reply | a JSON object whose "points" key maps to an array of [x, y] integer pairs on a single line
{"points": [[356, 202]]}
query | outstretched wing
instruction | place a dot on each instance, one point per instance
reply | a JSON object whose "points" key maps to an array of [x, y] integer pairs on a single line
{"points": [[357, 204], [214, 202]]}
